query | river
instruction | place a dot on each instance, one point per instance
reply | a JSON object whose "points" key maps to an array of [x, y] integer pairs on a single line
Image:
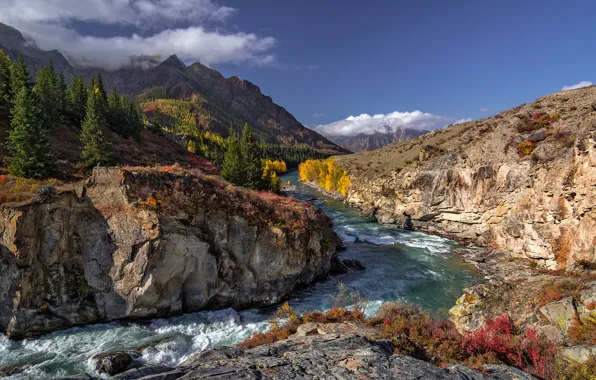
{"points": [[400, 265]]}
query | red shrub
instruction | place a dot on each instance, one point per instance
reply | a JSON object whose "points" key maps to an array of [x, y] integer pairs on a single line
{"points": [[500, 338], [3, 179]]}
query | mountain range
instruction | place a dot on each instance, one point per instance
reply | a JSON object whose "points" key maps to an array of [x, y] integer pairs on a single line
{"points": [[223, 101], [365, 142]]}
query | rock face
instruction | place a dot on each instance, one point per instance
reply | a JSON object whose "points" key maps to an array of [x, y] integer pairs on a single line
{"points": [[521, 181], [140, 243]]}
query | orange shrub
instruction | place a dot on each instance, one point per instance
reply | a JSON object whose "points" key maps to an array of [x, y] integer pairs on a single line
{"points": [[525, 148], [3, 179]]}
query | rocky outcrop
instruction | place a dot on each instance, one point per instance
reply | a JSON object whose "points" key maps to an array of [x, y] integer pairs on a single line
{"points": [[326, 355], [499, 182], [140, 243]]}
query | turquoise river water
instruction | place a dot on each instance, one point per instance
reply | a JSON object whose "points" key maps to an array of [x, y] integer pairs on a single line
{"points": [[400, 265]]}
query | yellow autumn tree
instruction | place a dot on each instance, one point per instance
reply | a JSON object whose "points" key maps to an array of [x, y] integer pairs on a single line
{"points": [[326, 174]]}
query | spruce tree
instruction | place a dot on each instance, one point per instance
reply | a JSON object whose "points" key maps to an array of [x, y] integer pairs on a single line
{"points": [[134, 120], [62, 104], [45, 88], [251, 158], [232, 169], [96, 149], [29, 143], [115, 115], [77, 99], [5, 91], [19, 76]]}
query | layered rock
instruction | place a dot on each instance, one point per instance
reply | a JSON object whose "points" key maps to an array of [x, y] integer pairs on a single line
{"points": [[494, 182], [140, 243]]}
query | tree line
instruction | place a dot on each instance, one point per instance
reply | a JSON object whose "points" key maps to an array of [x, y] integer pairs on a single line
{"points": [[244, 164], [35, 108]]}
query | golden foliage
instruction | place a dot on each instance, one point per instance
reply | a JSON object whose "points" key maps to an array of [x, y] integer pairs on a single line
{"points": [[325, 173]]}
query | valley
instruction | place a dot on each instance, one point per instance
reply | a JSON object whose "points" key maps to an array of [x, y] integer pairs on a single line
{"points": [[163, 218]]}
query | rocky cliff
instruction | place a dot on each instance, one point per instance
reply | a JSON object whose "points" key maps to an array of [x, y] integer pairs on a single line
{"points": [[139, 243], [522, 181]]}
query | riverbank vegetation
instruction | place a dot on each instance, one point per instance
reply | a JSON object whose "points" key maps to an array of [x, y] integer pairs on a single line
{"points": [[326, 174], [416, 333]]}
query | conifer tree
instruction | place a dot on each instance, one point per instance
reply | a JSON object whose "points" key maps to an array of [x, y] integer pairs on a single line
{"points": [[96, 149], [134, 120], [62, 104], [29, 143], [251, 159], [5, 91], [232, 169], [77, 98], [45, 88], [116, 116], [19, 76]]}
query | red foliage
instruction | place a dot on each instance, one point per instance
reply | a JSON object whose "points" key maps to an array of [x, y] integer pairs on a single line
{"points": [[524, 350], [202, 163], [3, 179]]}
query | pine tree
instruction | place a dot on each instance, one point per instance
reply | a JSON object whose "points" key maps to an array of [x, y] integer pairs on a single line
{"points": [[77, 99], [251, 158], [96, 148], [134, 120], [19, 77], [116, 116], [29, 143], [45, 88], [232, 166], [62, 104], [5, 91]]}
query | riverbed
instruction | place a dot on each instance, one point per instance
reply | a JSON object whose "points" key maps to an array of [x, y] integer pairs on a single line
{"points": [[401, 266]]}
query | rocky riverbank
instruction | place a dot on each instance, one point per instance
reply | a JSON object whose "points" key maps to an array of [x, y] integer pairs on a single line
{"points": [[139, 243], [521, 181], [330, 351]]}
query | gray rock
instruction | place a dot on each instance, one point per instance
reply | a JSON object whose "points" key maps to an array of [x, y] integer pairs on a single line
{"points": [[560, 313], [112, 363], [537, 136], [578, 354]]}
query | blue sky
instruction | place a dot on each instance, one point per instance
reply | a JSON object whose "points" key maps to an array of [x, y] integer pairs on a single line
{"points": [[327, 60]]}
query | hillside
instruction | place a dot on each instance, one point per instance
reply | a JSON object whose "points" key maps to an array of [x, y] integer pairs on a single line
{"points": [[220, 102], [521, 181]]}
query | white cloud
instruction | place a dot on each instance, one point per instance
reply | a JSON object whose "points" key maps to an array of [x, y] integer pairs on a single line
{"points": [[465, 120], [317, 115], [390, 122], [581, 84], [484, 109], [48, 24]]}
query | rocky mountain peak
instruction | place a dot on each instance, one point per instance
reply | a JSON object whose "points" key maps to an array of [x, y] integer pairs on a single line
{"points": [[173, 62]]}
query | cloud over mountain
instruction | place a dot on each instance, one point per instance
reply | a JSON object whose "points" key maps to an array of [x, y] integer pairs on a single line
{"points": [[382, 123], [192, 29], [581, 84]]}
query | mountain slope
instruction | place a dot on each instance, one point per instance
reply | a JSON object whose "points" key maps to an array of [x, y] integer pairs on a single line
{"points": [[365, 142], [226, 101], [522, 181], [14, 44]]}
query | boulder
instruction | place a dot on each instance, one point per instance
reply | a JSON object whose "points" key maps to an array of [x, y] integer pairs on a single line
{"points": [[578, 354], [537, 136], [560, 313], [112, 363]]}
